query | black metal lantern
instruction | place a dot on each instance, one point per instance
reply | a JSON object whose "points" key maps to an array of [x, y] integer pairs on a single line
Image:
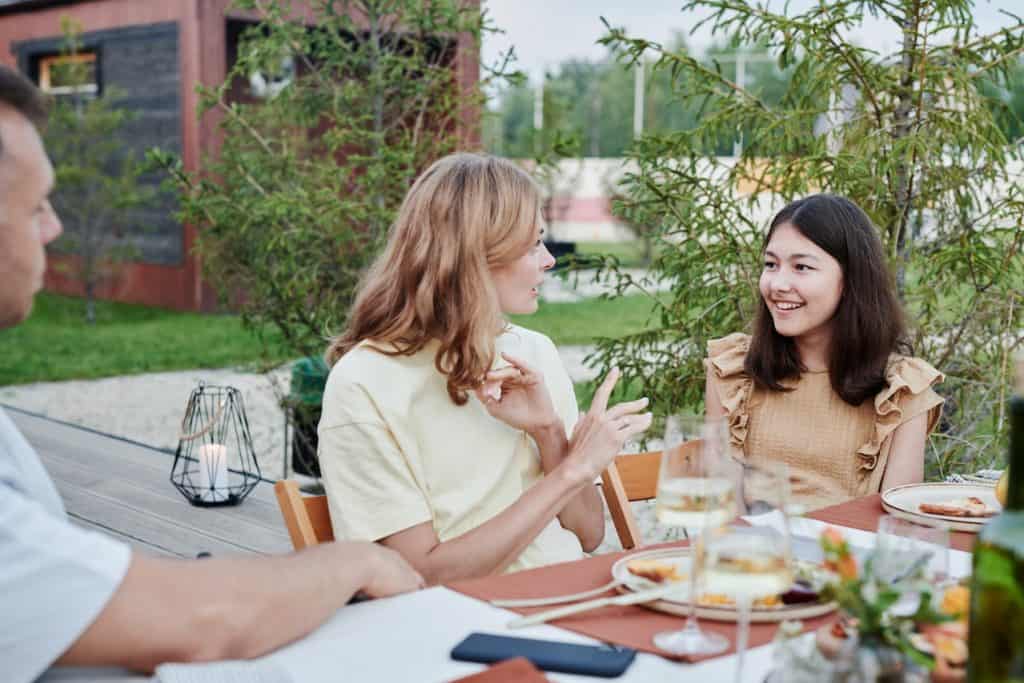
{"points": [[215, 463]]}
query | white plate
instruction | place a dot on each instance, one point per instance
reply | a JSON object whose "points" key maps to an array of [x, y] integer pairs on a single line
{"points": [[679, 602], [903, 501], [677, 557]]}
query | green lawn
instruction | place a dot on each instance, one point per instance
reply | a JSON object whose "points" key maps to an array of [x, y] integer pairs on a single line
{"points": [[55, 343], [584, 321], [630, 254]]}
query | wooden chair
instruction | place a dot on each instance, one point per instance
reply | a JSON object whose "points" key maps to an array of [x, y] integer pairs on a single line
{"points": [[306, 517], [632, 477], [628, 478]]}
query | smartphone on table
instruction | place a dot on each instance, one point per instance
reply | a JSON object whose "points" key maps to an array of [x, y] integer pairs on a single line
{"points": [[606, 661]]}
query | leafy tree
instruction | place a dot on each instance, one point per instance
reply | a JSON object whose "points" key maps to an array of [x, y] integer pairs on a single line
{"points": [[97, 179], [298, 199], [515, 122], [1004, 93], [905, 135]]}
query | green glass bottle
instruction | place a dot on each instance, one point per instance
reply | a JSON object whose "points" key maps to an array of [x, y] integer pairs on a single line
{"points": [[996, 640]]}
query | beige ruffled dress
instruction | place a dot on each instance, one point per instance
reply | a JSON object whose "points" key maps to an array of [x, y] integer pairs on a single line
{"points": [[835, 451]]}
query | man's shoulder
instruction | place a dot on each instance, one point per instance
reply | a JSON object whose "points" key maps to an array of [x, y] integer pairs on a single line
{"points": [[22, 470]]}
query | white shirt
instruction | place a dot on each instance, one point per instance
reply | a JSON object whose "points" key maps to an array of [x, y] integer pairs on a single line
{"points": [[55, 578]]}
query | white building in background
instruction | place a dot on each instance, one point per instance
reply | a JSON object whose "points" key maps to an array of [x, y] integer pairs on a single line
{"points": [[582, 191]]}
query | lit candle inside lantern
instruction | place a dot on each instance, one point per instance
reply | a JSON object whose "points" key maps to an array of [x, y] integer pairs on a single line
{"points": [[213, 472]]}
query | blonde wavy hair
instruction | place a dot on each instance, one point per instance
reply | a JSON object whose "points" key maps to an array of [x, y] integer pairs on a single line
{"points": [[464, 215]]}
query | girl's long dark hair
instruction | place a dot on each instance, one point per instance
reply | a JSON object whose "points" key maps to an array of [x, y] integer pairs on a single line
{"points": [[868, 324]]}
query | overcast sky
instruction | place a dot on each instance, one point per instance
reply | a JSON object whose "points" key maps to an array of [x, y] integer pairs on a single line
{"points": [[547, 32]]}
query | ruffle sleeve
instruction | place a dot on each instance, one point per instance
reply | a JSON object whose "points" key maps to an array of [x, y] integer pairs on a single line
{"points": [[724, 365], [909, 393]]}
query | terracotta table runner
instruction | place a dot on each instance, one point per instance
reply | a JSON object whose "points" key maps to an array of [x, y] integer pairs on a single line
{"points": [[632, 626], [863, 513]]}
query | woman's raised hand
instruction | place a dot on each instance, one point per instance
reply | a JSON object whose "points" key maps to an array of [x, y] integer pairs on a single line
{"points": [[518, 396], [601, 431]]}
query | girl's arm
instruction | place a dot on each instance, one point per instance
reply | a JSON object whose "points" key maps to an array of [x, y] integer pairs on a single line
{"points": [[906, 461]]}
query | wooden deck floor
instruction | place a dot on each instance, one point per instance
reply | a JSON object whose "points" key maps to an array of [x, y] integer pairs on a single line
{"points": [[123, 490]]}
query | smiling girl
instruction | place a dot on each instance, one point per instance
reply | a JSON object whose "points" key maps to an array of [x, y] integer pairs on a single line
{"points": [[445, 429], [824, 383]]}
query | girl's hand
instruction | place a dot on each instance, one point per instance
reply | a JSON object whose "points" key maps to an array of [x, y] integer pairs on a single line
{"points": [[602, 431], [518, 396]]}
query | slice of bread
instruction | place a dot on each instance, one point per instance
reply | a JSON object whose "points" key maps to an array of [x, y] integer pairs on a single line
{"points": [[656, 571], [970, 506]]}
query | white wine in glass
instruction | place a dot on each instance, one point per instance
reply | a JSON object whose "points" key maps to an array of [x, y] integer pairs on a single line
{"points": [[750, 562], [747, 564], [695, 503], [695, 493]]}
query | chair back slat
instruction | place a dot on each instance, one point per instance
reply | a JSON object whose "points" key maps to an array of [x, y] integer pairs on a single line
{"points": [[307, 517], [639, 473], [631, 477]]}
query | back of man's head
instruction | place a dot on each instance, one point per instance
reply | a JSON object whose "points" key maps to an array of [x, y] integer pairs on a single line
{"points": [[21, 95]]}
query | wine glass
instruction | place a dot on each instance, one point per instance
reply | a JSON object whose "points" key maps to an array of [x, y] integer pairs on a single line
{"points": [[910, 557], [750, 562], [694, 493]]}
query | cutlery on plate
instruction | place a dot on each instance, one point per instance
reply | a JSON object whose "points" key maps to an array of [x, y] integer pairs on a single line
{"points": [[627, 599], [556, 599]]}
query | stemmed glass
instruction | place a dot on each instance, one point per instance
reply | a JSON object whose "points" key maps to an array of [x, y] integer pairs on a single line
{"points": [[910, 557], [751, 562], [694, 493]]}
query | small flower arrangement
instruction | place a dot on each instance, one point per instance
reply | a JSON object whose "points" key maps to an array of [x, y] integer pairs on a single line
{"points": [[931, 634]]}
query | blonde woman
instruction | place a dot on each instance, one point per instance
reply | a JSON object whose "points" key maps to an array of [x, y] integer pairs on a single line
{"points": [[445, 429]]}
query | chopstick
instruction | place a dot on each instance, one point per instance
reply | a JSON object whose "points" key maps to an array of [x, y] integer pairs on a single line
{"points": [[556, 599], [627, 599]]}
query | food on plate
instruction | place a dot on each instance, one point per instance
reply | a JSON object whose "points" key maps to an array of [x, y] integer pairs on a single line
{"points": [[970, 506], [800, 592], [722, 600], [809, 579], [655, 571]]}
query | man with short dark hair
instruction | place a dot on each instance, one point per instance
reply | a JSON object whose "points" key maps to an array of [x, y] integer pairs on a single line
{"points": [[75, 597]]}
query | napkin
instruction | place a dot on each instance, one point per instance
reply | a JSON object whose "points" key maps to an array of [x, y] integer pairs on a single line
{"points": [[518, 670]]}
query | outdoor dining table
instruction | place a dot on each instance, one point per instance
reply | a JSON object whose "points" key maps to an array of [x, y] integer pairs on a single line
{"points": [[410, 637]]}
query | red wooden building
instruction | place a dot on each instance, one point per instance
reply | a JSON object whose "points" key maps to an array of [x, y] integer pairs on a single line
{"points": [[155, 52]]}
